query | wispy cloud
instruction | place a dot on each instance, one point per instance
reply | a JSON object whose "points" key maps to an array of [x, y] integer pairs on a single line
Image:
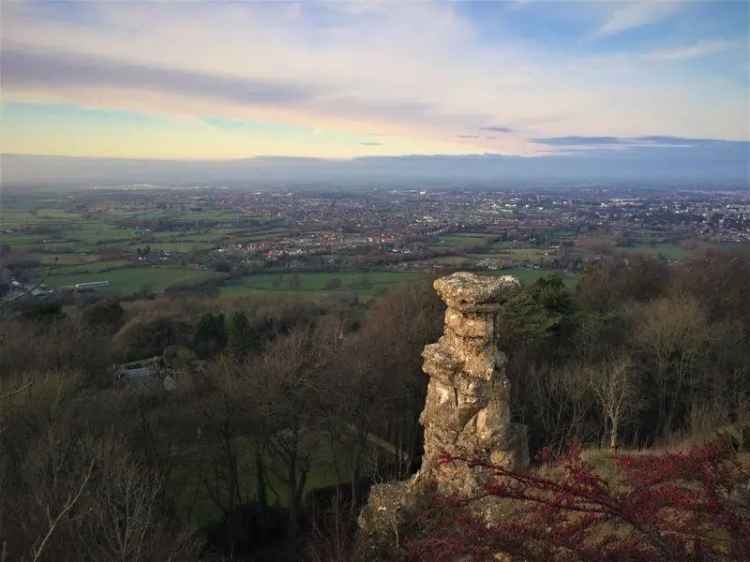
{"points": [[639, 142], [23, 68], [497, 129], [578, 141], [697, 50], [186, 62], [634, 15]]}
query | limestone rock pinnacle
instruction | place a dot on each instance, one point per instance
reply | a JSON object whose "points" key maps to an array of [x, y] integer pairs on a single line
{"points": [[467, 411]]}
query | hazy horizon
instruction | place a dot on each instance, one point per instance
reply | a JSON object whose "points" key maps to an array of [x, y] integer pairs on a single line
{"points": [[606, 89], [704, 165]]}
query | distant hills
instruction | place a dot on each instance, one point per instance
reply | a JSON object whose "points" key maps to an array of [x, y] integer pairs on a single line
{"points": [[650, 161]]}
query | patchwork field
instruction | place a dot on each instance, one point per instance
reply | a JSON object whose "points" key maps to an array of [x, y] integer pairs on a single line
{"points": [[71, 244], [132, 279]]}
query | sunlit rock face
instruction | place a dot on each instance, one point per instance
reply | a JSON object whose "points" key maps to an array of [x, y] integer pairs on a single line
{"points": [[467, 411]]}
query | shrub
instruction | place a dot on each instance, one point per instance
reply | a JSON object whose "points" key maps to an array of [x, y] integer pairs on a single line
{"points": [[669, 507]]}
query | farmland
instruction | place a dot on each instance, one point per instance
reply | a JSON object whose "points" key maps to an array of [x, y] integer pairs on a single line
{"points": [[363, 284], [319, 244], [670, 251], [129, 280]]}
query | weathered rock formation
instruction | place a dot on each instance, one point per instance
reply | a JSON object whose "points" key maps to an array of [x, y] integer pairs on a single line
{"points": [[467, 410]]}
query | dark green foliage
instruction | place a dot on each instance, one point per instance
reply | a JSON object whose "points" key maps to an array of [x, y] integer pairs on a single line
{"points": [[106, 314], [223, 267], [597, 333], [535, 314], [210, 336], [241, 336], [684, 330], [251, 532], [147, 338], [43, 312]]}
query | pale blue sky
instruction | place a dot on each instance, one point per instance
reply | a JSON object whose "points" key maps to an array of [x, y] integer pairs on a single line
{"points": [[341, 80]]}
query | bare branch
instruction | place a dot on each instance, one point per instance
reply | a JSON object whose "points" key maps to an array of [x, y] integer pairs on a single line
{"points": [[72, 501]]}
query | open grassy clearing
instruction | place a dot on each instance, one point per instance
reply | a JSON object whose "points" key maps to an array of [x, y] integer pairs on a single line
{"points": [[204, 236], [211, 237], [475, 234], [184, 246], [97, 232], [84, 233], [128, 280], [67, 259], [452, 260], [517, 254], [525, 254], [501, 246], [22, 240], [671, 251], [194, 501], [57, 214], [527, 276], [58, 247], [458, 241], [20, 218], [260, 235], [361, 283], [217, 215], [91, 267]]}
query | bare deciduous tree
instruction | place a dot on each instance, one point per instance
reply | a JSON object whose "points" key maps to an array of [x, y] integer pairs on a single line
{"points": [[673, 333], [614, 387], [284, 390]]}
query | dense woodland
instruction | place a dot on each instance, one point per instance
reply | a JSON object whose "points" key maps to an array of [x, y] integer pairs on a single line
{"points": [[642, 354]]}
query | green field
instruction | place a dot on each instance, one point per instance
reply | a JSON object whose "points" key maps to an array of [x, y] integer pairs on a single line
{"points": [[193, 498], [516, 254], [362, 283], [17, 218], [460, 241], [66, 259], [452, 260], [670, 251], [84, 268], [526, 276], [184, 246], [79, 247], [132, 279]]}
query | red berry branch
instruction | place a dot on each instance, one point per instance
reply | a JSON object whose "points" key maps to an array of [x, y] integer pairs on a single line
{"points": [[689, 506]]}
